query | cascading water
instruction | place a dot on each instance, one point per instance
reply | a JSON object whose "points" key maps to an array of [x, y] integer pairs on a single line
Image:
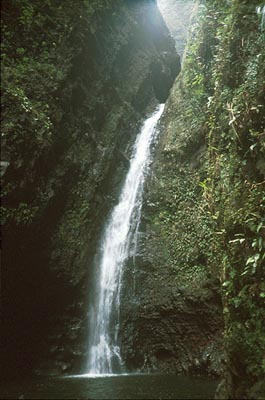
{"points": [[120, 234]]}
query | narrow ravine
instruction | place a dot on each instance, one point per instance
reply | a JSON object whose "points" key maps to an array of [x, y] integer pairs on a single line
{"points": [[118, 241], [133, 233]]}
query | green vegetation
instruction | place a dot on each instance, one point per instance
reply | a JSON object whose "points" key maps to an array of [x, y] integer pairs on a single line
{"points": [[77, 78], [237, 178], [40, 40], [207, 203], [213, 176]]}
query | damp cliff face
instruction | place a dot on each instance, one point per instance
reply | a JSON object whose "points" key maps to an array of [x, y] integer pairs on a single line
{"points": [[200, 263], [172, 318], [176, 14], [77, 81]]}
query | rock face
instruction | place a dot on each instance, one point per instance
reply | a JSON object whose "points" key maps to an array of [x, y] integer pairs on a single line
{"points": [[171, 328], [118, 62], [202, 233], [176, 14], [73, 102], [171, 308], [171, 317]]}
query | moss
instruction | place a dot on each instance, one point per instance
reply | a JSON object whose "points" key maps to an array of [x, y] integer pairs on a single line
{"points": [[76, 84], [211, 176]]}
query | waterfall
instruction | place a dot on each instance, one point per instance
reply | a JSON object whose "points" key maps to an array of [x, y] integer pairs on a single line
{"points": [[121, 230]]}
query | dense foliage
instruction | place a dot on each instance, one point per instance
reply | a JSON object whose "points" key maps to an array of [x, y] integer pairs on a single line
{"points": [[236, 183], [40, 40], [77, 78], [219, 102], [208, 204]]}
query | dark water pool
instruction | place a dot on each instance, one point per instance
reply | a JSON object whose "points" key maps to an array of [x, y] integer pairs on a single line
{"points": [[111, 387]]}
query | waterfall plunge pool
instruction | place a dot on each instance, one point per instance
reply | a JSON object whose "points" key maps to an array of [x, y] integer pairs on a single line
{"points": [[120, 236], [127, 386]]}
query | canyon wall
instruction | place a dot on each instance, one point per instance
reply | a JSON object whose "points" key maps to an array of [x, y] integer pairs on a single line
{"points": [[77, 82], [199, 306]]}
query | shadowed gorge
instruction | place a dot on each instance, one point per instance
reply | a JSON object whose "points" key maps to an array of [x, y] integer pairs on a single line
{"points": [[133, 231], [74, 106]]}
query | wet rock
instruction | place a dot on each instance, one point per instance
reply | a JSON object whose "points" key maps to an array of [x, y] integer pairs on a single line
{"points": [[65, 366], [100, 104], [174, 318]]}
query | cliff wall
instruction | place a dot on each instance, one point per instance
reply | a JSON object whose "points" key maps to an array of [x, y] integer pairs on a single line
{"points": [[201, 252], [77, 80]]}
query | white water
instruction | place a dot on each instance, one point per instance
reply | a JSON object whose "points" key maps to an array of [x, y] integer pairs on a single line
{"points": [[119, 238]]}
